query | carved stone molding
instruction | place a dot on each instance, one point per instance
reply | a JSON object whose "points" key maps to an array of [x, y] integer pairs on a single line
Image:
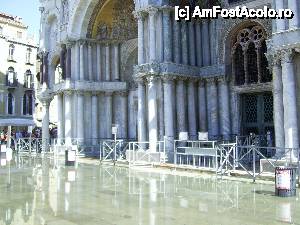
{"points": [[287, 55]]}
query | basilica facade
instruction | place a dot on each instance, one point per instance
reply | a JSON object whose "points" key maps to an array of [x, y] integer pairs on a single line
{"points": [[130, 64]]}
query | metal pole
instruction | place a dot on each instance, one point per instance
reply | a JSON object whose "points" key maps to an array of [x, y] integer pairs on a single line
{"points": [[253, 158]]}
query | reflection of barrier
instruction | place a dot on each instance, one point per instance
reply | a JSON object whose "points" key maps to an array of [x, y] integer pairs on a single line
{"points": [[29, 145]]}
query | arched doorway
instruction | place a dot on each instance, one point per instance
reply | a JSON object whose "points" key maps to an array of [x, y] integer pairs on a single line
{"points": [[252, 79]]}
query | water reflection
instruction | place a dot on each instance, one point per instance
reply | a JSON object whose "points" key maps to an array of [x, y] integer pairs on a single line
{"points": [[36, 191]]}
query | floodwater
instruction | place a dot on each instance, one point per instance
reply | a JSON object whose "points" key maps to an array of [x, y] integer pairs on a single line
{"points": [[44, 191]]}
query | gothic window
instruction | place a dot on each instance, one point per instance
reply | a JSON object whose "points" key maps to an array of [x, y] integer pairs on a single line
{"points": [[249, 62], [10, 104], [11, 77], [27, 103], [11, 52], [28, 55], [28, 79]]}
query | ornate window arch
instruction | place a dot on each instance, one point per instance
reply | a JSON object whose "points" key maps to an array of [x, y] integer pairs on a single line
{"points": [[249, 63], [11, 79]]}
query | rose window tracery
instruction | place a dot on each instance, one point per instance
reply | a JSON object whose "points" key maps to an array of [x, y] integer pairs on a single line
{"points": [[249, 63]]}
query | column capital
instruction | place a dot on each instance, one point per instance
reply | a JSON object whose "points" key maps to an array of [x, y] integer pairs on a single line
{"points": [[274, 59], [151, 79], [108, 94], [122, 93], [166, 9], [287, 55], [139, 15], [181, 78], [68, 93], [202, 82], [139, 80], [222, 79], [79, 92], [168, 78], [152, 11], [211, 80]]}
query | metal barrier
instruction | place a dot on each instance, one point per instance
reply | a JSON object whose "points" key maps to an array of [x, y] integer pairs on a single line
{"points": [[254, 161], [140, 153], [113, 150], [199, 154], [29, 145]]}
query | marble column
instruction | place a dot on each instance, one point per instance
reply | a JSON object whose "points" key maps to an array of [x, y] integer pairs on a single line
{"points": [[68, 117], [280, 23], [181, 106], [141, 37], [90, 62], [212, 99], [192, 48], [294, 6], [152, 113], [198, 44], [77, 61], [107, 62], [123, 115], [224, 109], [80, 117], [45, 126], [62, 62], [45, 70], [202, 106], [289, 101], [184, 43], [116, 62], [152, 35], [177, 41], [109, 113], [69, 61], [205, 43], [192, 116], [60, 118], [167, 34], [99, 63], [81, 61], [95, 118], [278, 106], [212, 38], [141, 120], [169, 112]]}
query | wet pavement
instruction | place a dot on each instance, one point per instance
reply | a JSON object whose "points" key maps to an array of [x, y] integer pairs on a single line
{"points": [[44, 191]]}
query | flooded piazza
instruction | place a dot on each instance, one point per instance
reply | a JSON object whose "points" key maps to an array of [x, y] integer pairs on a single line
{"points": [[44, 191]]}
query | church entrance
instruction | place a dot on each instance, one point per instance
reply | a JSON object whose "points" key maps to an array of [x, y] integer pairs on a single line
{"points": [[257, 113]]}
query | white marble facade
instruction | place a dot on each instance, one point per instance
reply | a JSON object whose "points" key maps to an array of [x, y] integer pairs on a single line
{"points": [[162, 77]]}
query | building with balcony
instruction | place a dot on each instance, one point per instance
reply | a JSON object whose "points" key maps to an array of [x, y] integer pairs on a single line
{"points": [[17, 73]]}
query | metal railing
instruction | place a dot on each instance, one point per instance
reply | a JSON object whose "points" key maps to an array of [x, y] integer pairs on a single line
{"points": [[198, 154], [29, 145]]}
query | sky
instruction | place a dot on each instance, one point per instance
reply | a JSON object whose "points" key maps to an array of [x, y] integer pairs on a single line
{"points": [[28, 10]]}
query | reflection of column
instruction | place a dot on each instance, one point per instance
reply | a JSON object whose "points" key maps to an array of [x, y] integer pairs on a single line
{"points": [[202, 106], [167, 34], [60, 118], [213, 107], [141, 111], [152, 113], [224, 109], [109, 114], [293, 5], [45, 126], [181, 106], [280, 22], [289, 101], [278, 107], [68, 117], [94, 118], [192, 111], [80, 117]]}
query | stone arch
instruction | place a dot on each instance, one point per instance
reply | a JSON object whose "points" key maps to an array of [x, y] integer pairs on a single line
{"points": [[231, 29]]}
